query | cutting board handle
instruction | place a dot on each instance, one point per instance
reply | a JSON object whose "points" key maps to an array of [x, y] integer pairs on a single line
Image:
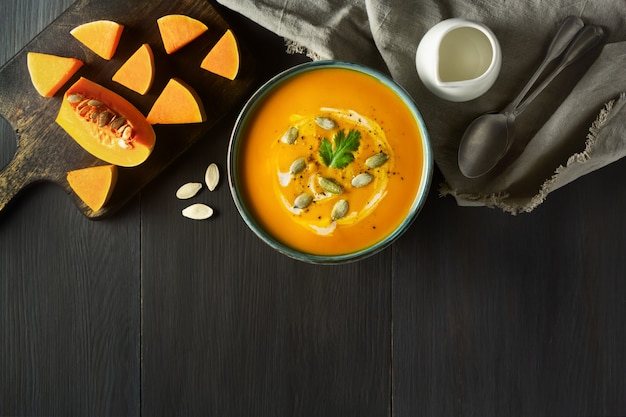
{"points": [[14, 178]]}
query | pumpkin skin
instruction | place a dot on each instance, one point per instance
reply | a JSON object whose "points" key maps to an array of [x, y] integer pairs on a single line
{"points": [[104, 141]]}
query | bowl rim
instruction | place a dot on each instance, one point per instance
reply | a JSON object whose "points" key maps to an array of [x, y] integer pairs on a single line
{"points": [[257, 99]]}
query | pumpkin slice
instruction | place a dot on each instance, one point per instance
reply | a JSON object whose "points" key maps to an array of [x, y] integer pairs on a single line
{"points": [[93, 185], [223, 58], [105, 124], [137, 73], [178, 103], [178, 30], [101, 36], [50, 72]]}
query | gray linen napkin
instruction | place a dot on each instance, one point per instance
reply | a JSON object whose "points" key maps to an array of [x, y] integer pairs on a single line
{"points": [[576, 126]]}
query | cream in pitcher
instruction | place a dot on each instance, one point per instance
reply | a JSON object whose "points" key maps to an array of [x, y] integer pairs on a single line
{"points": [[458, 59]]}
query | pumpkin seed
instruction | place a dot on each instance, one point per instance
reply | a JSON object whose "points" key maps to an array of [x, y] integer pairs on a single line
{"points": [[297, 166], [362, 180], [198, 211], [104, 118], [117, 123], [340, 209], [188, 190], [376, 160], [329, 185], [325, 123], [75, 98], [95, 103], [303, 201], [124, 144], [290, 136], [212, 176], [127, 133]]}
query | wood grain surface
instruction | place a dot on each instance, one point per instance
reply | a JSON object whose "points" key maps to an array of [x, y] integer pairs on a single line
{"points": [[517, 316], [46, 152], [145, 313]]}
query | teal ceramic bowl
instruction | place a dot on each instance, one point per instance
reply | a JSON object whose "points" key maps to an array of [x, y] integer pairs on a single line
{"points": [[237, 143]]}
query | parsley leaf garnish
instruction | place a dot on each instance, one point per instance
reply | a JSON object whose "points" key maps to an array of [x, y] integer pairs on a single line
{"points": [[341, 155]]}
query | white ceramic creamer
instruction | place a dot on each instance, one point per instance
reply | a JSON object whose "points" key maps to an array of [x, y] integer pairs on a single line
{"points": [[458, 59]]}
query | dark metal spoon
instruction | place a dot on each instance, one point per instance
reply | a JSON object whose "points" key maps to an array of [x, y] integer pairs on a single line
{"points": [[487, 139], [586, 39]]}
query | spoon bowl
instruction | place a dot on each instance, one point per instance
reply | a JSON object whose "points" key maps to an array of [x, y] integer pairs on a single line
{"points": [[493, 127]]}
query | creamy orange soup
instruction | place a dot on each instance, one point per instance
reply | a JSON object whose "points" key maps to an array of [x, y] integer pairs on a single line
{"points": [[330, 162]]}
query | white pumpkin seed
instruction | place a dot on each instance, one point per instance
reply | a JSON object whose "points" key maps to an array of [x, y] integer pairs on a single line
{"points": [[340, 209], [198, 211], [212, 176], [188, 190]]}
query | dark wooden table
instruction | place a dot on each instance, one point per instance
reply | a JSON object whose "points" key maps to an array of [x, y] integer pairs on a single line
{"points": [[471, 313]]}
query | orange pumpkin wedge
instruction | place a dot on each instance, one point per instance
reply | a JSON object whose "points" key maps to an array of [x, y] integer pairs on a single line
{"points": [[178, 30], [48, 73], [178, 103], [137, 73], [105, 124], [101, 36], [223, 58], [94, 185]]}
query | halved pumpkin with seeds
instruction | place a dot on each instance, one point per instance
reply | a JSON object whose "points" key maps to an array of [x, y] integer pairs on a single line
{"points": [[178, 103], [101, 36], [94, 185], [48, 72], [178, 30], [105, 124]]}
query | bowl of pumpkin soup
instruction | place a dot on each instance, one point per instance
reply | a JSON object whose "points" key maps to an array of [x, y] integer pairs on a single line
{"points": [[329, 162]]}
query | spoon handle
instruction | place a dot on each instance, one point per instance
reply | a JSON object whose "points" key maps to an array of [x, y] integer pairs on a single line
{"points": [[586, 39], [569, 28]]}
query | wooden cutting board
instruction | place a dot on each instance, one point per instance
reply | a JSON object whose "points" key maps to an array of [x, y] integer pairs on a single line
{"points": [[45, 152]]}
